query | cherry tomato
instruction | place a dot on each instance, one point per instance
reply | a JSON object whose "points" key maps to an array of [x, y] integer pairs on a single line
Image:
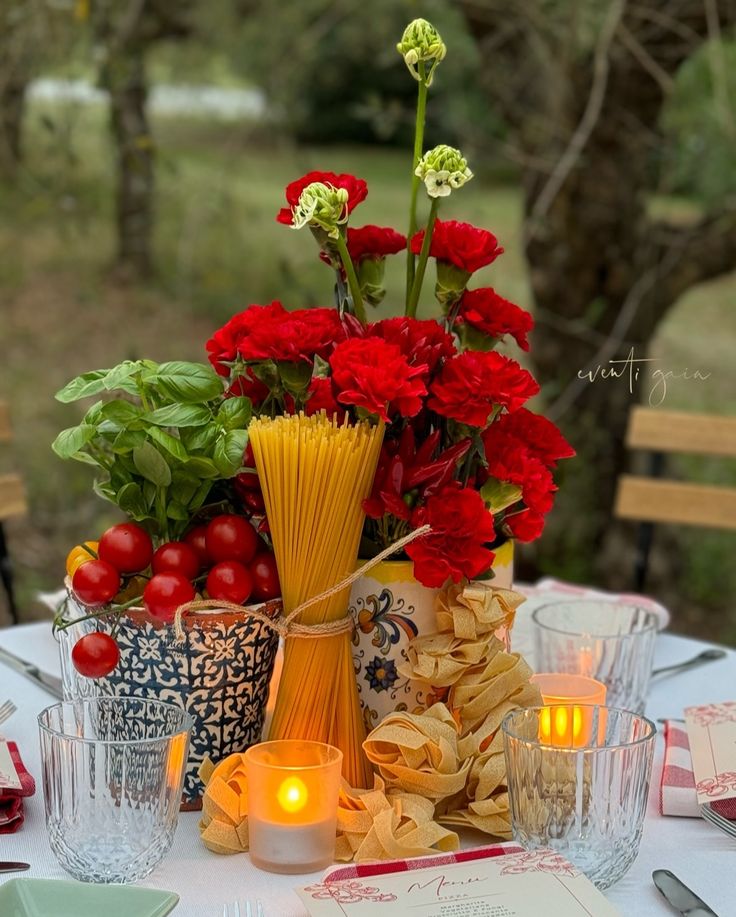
{"points": [[80, 554], [95, 655], [265, 577], [165, 592], [127, 547], [254, 502], [249, 460], [230, 581], [231, 538], [195, 538], [96, 583], [178, 557]]}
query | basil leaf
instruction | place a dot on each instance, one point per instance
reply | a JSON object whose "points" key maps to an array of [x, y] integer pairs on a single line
{"points": [[130, 500], [188, 382], [174, 510], [170, 443], [87, 384], [202, 467], [228, 452], [199, 439], [151, 465], [122, 377], [127, 440], [73, 440], [199, 498], [235, 413], [104, 490], [180, 415]]}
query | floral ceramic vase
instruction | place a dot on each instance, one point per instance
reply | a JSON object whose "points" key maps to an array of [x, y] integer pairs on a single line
{"points": [[391, 608]]}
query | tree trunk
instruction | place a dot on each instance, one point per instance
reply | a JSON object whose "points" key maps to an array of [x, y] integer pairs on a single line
{"points": [[125, 80], [12, 106]]}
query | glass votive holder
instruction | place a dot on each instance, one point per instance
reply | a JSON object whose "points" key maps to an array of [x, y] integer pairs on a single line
{"points": [[293, 788], [112, 771], [613, 643], [587, 802], [559, 693]]}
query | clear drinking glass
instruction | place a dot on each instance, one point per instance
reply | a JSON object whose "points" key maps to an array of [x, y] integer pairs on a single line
{"points": [[602, 640], [586, 801], [112, 771]]}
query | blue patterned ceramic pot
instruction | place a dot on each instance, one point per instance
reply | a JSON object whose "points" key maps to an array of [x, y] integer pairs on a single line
{"points": [[219, 674]]}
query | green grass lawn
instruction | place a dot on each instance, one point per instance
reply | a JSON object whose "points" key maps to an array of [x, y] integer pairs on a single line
{"points": [[218, 248]]}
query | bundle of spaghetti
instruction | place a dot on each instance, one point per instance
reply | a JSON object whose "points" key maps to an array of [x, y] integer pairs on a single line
{"points": [[315, 474]]}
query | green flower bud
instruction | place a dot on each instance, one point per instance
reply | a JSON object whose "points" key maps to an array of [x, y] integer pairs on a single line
{"points": [[442, 170], [322, 206], [421, 42], [370, 277], [451, 283]]}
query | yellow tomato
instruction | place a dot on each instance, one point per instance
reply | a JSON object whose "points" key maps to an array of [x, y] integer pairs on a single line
{"points": [[80, 554]]}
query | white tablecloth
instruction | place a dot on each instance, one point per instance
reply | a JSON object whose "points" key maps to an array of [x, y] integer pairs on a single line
{"points": [[702, 856]]}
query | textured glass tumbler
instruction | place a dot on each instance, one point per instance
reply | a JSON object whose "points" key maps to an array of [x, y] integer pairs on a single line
{"points": [[589, 802], [611, 643], [112, 771]]}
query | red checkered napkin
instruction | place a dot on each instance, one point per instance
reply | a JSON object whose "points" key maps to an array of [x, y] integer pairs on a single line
{"points": [[11, 800], [677, 790], [384, 867]]}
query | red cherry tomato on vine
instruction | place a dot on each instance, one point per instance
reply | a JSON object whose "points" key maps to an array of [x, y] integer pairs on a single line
{"points": [[96, 583], [254, 502], [165, 592], [195, 538], [95, 655], [231, 537], [127, 547], [265, 577], [177, 557], [249, 460], [230, 581]]}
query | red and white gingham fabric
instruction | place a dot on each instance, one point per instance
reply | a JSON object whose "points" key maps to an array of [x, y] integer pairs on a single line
{"points": [[384, 867], [677, 790], [11, 801]]}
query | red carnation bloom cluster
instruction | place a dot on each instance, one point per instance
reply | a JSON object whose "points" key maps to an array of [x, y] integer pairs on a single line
{"points": [[456, 546], [471, 384], [272, 333], [532, 432], [322, 398], [490, 313], [461, 244], [421, 341], [374, 242], [356, 188], [377, 377]]}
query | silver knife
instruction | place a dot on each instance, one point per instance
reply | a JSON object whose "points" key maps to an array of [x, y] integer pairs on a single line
{"points": [[679, 895], [49, 683], [14, 867]]}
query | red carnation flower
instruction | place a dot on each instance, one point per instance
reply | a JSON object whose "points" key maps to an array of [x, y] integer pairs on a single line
{"points": [[466, 247], [272, 333], [456, 546], [374, 242], [322, 398], [516, 465], [421, 341], [525, 526], [537, 434], [376, 376], [472, 384], [356, 188], [490, 313]]}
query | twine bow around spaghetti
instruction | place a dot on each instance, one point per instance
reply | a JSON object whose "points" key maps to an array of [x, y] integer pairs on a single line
{"points": [[290, 626]]}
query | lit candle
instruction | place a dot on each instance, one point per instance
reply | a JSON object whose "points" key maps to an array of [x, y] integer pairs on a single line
{"points": [[293, 788], [567, 721]]}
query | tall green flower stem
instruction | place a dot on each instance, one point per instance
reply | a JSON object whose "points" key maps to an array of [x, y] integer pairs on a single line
{"points": [[416, 289], [415, 179], [347, 263]]}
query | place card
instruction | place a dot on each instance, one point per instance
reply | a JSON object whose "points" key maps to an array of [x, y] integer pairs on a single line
{"points": [[9, 779], [711, 731], [517, 883]]}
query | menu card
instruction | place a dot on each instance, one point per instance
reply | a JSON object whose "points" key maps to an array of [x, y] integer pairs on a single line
{"points": [[711, 731], [9, 779], [506, 883]]}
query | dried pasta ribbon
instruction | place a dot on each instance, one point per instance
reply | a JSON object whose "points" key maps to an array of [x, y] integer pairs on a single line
{"points": [[440, 659], [418, 753], [473, 609], [224, 823], [381, 824]]}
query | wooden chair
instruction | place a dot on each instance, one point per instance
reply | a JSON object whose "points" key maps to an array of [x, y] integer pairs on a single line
{"points": [[655, 499], [12, 503]]}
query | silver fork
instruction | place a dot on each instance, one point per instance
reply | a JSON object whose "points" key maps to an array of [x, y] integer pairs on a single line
{"points": [[249, 912], [718, 821], [7, 709]]}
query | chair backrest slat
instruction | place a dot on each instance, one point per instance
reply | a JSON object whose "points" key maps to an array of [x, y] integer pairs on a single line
{"points": [[654, 500], [680, 431]]}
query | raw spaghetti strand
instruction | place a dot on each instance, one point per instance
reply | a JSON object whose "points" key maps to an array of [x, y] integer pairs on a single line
{"points": [[315, 475]]}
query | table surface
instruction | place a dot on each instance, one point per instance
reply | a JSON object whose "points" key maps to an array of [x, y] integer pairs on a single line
{"points": [[692, 849]]}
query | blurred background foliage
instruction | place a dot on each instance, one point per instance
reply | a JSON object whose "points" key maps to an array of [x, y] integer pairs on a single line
{"points": [[237, 98]]}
